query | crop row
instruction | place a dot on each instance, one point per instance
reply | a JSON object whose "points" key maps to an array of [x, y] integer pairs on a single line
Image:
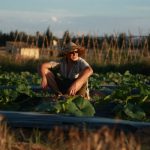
{"points": [[128, 94]]}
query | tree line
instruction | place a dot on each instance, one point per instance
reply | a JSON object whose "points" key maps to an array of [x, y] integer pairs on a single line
{"points": [[116, 41]]}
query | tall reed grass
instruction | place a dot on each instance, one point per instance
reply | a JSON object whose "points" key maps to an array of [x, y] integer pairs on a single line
{"points": [[110, 51], [71, 139], [100, 51]]}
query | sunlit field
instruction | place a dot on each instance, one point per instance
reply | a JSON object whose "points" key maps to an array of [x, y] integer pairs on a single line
{"points": [[122, 61], [114, 51]]}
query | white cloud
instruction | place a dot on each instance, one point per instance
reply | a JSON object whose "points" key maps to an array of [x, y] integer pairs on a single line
{"points": [[54, 19]]}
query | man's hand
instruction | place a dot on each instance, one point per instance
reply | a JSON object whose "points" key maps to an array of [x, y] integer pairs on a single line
{"points": [[73, 89], [44, 83]]}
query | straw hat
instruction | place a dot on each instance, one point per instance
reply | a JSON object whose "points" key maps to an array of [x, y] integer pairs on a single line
{"points": [[69, 47]]}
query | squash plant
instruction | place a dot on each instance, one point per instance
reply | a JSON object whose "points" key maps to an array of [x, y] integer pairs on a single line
{"points": [[72, 105]]}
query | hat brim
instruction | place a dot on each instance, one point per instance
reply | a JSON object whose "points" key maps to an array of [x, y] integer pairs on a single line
{"points": [[81, 52]]}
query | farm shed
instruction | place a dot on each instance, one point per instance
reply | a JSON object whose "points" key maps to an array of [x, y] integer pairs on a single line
{"points": [[22, 49], [30, 52]]}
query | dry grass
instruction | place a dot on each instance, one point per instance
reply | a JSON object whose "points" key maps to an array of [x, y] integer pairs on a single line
{"points": [[102, 139], [144, 137], [116, 49], [72, 139]]}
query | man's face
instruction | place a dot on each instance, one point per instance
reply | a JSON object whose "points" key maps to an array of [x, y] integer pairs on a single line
{"points": [[73, 55]]}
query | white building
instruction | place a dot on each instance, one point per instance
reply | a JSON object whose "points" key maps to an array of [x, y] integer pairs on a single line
{"points": [[22, 49]]}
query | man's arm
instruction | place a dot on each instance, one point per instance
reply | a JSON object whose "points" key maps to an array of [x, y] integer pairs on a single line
{"points": [[78, 83], [46, 73]]}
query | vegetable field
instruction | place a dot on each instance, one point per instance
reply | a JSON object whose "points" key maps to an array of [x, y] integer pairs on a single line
{"points": [[125, 96]]}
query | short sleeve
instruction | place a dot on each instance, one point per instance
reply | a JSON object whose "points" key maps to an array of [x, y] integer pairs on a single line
{"points": [[54, 64], [83, 64]]}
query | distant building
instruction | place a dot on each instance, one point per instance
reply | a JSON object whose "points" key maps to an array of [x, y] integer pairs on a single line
{"points": [[22, 49]]}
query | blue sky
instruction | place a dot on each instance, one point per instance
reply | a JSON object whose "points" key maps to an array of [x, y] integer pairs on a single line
{"points": [[78, 16]]}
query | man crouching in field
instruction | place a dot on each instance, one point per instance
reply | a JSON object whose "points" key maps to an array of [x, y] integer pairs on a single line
{"points": [[69, 75]]}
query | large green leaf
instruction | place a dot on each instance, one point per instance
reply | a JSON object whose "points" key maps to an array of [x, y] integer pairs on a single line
{"points": [[134, 111], [81, 107], [73, 109]]}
